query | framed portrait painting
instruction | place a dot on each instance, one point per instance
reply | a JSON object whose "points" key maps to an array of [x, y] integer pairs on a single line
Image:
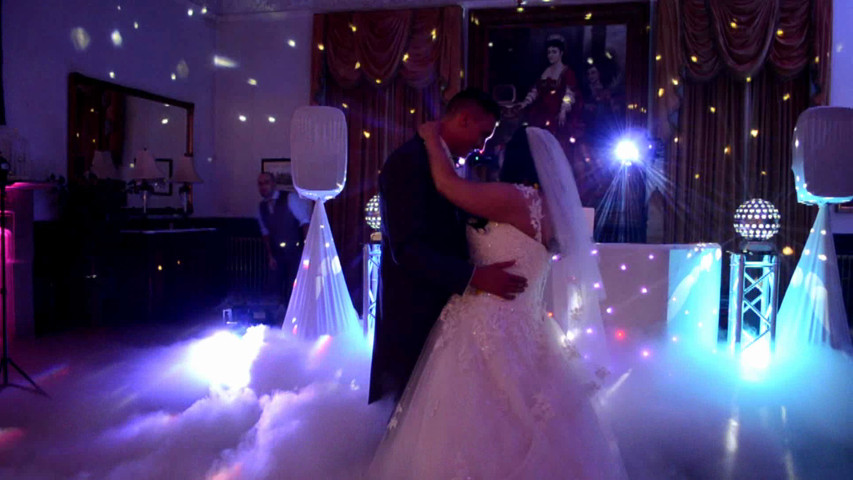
{"points": [[280, 169], [580, 72]]}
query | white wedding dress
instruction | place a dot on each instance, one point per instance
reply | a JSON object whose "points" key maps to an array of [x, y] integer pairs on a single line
{"points": [[498, 393]]}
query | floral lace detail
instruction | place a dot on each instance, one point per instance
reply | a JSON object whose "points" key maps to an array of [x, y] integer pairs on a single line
{"points": [[542, 410], [448, 322], [534, 203], [395, 419]]}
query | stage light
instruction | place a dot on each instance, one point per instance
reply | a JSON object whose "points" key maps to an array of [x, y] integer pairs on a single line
{"points": [[225, 359], [626, 152]]}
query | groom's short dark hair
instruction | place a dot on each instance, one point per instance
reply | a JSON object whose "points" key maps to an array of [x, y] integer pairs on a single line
{"points": [[473, 97]]}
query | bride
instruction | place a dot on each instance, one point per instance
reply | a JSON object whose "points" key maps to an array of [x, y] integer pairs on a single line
{"points": [[499, 392]]}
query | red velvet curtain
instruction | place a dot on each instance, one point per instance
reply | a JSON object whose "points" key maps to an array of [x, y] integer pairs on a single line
{"points": [[388, 71], [2, 96], [731, 78]]}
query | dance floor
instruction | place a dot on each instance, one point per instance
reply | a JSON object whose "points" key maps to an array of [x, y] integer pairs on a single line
{"points": [[204, 401]]}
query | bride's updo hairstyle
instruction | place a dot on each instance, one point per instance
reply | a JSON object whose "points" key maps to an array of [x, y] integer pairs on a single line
{"points": [[518, 166]]}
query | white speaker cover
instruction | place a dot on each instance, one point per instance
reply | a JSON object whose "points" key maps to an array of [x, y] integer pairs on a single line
{"points": [[823, 155], [318, 151]]}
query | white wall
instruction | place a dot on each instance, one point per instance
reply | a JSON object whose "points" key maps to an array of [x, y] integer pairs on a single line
{"points": [[841, 92], [259, 46], [39, 54]]}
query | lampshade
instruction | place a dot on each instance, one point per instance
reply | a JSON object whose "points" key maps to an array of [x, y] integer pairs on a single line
{"points": [[145, 167], [103, 166], [185, 171]]}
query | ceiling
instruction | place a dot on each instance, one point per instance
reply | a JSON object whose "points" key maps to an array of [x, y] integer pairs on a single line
{"points": [[241, 7]]}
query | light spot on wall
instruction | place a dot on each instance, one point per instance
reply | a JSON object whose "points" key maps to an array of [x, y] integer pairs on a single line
{"points": [[80, 39], [116, 38]]}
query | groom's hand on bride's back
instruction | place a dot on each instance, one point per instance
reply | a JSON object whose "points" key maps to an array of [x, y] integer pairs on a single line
{"points": [[496, 280]]}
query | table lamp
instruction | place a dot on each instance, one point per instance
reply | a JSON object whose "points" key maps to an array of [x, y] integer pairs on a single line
{"points": [[186, 175], [144, 171]]}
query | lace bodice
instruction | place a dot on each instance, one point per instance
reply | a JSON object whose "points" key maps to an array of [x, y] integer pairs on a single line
{"points": [[500, 242], [489, 317]]}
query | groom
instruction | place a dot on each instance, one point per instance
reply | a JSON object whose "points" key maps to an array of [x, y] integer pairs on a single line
{"points": [[424, 249]]}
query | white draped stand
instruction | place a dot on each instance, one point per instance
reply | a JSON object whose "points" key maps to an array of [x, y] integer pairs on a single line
{"points": [[812, 312], [320, 303]]}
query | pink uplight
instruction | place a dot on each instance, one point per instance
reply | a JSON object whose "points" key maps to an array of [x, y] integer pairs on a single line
{"points": [[321, 345]]}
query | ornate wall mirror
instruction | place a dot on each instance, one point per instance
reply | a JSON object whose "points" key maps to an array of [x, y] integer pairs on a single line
{"points": [[104, 116]]}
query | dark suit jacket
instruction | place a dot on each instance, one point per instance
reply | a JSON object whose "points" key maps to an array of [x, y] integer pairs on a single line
{"points": [[424, 261]]}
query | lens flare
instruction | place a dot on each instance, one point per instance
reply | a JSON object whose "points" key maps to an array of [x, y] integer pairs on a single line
{"points": [[627, 152]]}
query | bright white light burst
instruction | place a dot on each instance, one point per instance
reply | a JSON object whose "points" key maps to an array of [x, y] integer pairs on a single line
{"points": [[225, 359], [627, 152]]}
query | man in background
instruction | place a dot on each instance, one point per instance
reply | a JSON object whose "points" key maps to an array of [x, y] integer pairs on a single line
{"points": [[283, 218]]}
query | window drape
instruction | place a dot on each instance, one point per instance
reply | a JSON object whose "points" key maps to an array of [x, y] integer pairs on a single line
{"points": [[388, 71], [731, 78], [2, 93]]}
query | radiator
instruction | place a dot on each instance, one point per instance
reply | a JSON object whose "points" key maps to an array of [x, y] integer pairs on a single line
{"points": [[248, 273]]}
